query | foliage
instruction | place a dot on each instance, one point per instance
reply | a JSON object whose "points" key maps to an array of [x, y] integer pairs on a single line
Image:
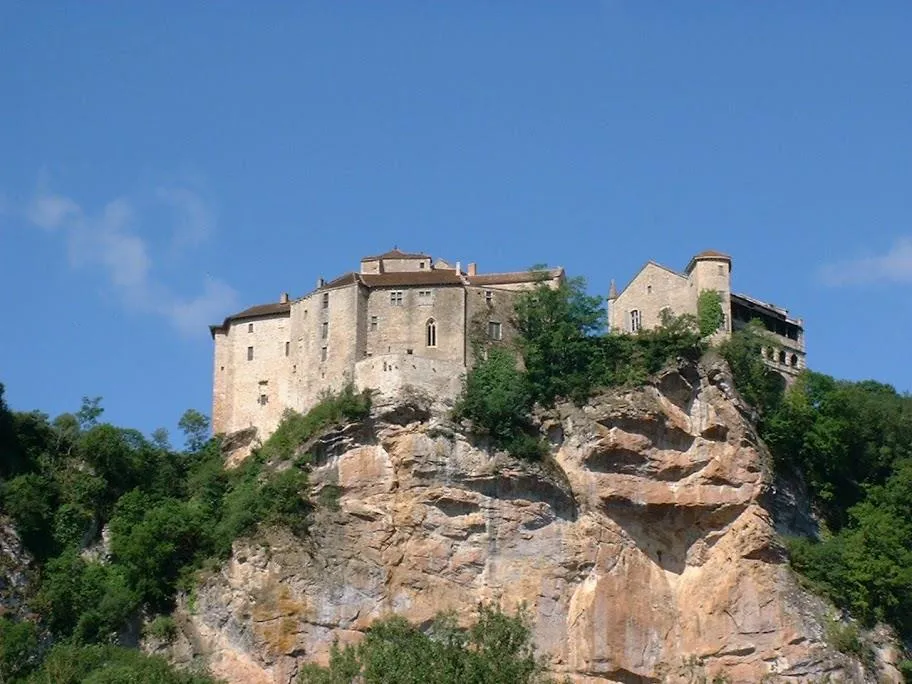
{"points": [[18, 648], [163, 628], [71, 664], [758, 384], [709, 312], [168, 514], [295, 429], [497, 400], [496, 649]]}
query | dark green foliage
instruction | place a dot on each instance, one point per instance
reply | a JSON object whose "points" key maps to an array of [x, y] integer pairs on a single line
{"points": [[162, 628], [168, 514], [496, 649], [709, 312], [18, 649], [905, 668], [295, 429], [195, 427], [72, 664], [497, 400], [852, 444], [757, 383], [564, 355]]}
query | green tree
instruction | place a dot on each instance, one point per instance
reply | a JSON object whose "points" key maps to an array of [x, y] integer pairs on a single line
{"points": [[18, 649], [89, 413], [556, 327], [195, 427]]}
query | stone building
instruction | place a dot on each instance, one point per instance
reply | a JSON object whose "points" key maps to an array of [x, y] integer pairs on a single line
{"points": [[400, 320], [656, 288]]}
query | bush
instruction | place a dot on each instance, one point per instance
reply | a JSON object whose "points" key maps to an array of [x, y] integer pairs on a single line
{"points": [[496, 649], [163, 628], [18, 649]]}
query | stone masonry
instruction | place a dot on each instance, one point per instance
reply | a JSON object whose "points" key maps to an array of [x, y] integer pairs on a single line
{"points": [[401, 321], [655, 289]]}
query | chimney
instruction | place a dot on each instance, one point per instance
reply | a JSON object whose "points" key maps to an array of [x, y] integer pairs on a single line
{"points": [[458, 268], [283, 299], [473, 269], [320, 282]]}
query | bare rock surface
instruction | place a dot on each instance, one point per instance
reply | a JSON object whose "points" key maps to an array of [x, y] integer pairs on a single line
{"points": [[642, 547]]}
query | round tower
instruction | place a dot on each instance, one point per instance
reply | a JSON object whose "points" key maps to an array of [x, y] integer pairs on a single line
{"points": [[711, 270]]}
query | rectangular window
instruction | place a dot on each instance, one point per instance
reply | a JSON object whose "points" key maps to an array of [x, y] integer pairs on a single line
{"points": [[374, 324], [634, 320], [324, 330], [326, 300], [323, 353], [489, 297], [495, 332], [396, 297], [425, 297], [287, 348], [250, 353], [420, 264], [250, 327], [264, 399]]}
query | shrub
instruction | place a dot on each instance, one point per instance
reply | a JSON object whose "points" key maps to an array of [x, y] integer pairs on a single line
{"points": [[18, 648], [163, 628], [709, 312]]}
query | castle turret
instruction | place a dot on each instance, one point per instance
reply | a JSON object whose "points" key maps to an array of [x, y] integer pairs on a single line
{"points": [[711, 270]]}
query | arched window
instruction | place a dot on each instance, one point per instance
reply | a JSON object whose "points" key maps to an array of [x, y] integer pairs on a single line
{"points": [[781, 356], [431, 333], [794, 360]]}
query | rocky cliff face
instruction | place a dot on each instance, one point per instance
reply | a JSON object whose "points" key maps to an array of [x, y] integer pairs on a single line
{"points": [[644, 548]]}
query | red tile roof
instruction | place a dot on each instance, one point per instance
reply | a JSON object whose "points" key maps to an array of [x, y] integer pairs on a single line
{"points": [[259, 311], [405, 278]]}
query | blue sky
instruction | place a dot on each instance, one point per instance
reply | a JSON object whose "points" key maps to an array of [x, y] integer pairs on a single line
{"points": [[164, 164]]}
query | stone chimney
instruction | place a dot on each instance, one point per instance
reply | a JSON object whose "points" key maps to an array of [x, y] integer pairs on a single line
{"points": [[320, 282], [473, 269], [283, 299], [458, 268]]}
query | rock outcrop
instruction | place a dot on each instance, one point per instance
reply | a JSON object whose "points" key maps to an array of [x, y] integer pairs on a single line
{"points": [[643, 547]]}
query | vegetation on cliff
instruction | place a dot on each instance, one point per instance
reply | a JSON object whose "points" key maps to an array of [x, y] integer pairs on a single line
{"points": [[495, 649], [851, 442], [167, 511], [562, 351]]}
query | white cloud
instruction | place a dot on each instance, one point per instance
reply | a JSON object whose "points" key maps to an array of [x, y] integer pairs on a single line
{"points": [[110, 241], [894, 266]]}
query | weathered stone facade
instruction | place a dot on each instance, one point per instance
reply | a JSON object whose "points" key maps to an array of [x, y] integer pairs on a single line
{"points": [[402, 321], [656, 288]]}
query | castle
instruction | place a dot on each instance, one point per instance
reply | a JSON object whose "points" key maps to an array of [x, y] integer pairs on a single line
{"points": [[407, 320], [401, 320], [656, 288]]}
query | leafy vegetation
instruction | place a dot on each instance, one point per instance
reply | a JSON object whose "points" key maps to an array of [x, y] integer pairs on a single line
{"points": [[851, 442], [167, 511], [710, 316], [496, 649], [562, 352]]}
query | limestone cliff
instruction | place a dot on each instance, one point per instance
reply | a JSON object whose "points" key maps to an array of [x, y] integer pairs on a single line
{"points": [[644, 547]]}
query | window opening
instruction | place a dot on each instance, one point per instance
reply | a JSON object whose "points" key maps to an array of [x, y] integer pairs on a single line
{"points": [[495, 331], [431, 333], [634, 320]]}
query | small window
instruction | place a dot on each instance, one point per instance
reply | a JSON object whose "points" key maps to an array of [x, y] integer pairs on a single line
{"points": [[634, 320], [431, 333], [396, 297], [250, 327], [326, 300], [649, 289], [420, 264], [721, 269], [324, 330], [287, 348], [263, 400], [324, 352], [495, 331], [489, 297], [425, 297], [374, 323], [781, 356], [250, 353], [794, 361]]}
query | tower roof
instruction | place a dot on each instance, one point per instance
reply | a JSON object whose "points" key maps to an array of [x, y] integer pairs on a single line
{"points": [[396, 253], [707, 255]]}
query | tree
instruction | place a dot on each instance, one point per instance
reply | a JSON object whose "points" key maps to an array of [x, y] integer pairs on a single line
{"points": [[89, 413], [195, 427], [555, 327]]}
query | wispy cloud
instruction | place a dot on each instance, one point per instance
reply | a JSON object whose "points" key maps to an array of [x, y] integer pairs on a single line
{"points": [[894, 266], [110, 240]]}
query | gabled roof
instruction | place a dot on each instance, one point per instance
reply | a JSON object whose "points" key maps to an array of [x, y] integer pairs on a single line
{"points": [[513, 278], [644, 267], [272, 310], [396, 253]]}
